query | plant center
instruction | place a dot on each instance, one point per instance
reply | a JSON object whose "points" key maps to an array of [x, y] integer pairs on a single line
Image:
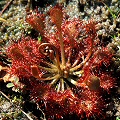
{"points": [[60, 75]]}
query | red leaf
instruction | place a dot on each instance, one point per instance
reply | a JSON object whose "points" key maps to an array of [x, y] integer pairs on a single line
{"points": [[56, 15]]}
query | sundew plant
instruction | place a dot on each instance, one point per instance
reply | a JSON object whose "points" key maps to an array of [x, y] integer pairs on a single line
{"points": [[66, 71]]}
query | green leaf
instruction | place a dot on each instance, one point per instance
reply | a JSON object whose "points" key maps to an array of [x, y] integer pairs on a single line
{"points": [[16, 79], [117, 118], [9, 85], [39, 39]]}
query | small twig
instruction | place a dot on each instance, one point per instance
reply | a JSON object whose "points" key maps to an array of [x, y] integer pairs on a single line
{"points": [[5, 96], [6, 6], [15, 105], [42, 113], [26, 115]]}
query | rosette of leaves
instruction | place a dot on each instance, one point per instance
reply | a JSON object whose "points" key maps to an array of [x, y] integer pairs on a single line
{"points": [[66, 72]]}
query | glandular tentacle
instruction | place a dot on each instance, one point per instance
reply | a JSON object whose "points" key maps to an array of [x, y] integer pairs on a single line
{"points": [[85, 59], [80, 55], [56, 54], [62, 87], [72, 81], [51, 78], [48, 69], [51, 65]]}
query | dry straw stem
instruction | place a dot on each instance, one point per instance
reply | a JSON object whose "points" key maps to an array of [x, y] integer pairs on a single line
{"points": [[15, 105], [5, 7]]}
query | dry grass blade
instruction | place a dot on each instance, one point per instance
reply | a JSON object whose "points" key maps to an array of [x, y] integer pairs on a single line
{"points": [[15, 105], [6, 6]]}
